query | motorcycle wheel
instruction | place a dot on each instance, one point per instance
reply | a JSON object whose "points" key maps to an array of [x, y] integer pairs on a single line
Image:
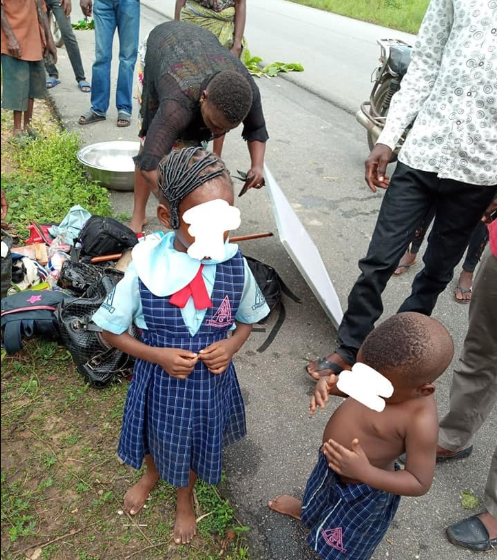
{"points": [[380, 95], [56, 34]]}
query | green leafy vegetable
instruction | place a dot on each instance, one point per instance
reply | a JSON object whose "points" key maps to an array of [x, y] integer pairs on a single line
{"points": [[84, 24], [252, 64]]}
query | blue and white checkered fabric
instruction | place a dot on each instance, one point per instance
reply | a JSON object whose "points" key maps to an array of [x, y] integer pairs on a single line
{"points": [[184, 424], [347, 521]]}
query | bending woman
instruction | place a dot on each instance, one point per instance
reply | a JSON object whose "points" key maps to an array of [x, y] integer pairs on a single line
{"points": [[194, 90]]}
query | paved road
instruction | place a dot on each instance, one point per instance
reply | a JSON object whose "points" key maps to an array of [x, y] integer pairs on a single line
{"points": [[338, 53], [316, 152]]}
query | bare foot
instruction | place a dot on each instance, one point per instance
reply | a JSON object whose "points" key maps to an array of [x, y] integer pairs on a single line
{"points": [[490, 524], [185, 527], [288, 505], [137, 224], [137, 495], [407, 260], [316, 372], [464, 285]]}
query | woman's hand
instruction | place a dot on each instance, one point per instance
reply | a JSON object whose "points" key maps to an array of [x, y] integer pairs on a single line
{"points": [[217, 356], [176, 362], [236, 50]]}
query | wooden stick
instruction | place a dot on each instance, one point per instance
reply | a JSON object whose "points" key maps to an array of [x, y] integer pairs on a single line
{"points": [[105, 258], [253, 236]]}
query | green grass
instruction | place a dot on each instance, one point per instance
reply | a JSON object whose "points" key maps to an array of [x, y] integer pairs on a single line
{"points": [[405, 15]]}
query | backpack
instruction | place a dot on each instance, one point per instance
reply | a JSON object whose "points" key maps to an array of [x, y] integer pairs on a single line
{"points": [[272, 286], [99, 363], [105, 236], [30, 313]]}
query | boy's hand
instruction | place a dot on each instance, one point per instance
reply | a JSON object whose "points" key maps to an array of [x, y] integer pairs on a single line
{"points": [[86, 7], [321, 392], [13, 47], [352, 464], [177, 362], [218, 356]]}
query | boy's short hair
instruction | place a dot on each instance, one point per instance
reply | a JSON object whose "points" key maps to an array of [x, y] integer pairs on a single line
{"points": [[231, 93], [410, 347]]}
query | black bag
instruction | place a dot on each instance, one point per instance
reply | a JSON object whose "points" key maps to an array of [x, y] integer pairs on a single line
{"points": [[272, 286], [30, 313], [98, 362], [105, 236], [78, 277]]}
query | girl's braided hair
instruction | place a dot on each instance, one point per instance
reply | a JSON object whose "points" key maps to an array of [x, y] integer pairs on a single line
{"points": [[182, 171]]}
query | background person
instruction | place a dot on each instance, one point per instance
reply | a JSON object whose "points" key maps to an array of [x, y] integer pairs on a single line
{"points": [[224, 18], [61, 10], [109, 15], [26, 39]]}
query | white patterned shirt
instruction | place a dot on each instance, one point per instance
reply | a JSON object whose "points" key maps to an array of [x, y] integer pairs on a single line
{"points": [[451, 90]]}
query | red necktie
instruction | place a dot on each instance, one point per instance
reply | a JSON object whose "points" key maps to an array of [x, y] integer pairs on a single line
{"points": [[196, 289]]}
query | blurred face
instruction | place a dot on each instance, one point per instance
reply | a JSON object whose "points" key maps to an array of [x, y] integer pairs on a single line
{"points": [[213, 118], [205, 193]]}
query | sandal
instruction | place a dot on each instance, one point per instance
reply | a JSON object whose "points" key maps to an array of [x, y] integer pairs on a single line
{"points": [[403, 268], [463, 292], [123, 120], [90, 117], [84, 86], [51, 82], [323, 364]]}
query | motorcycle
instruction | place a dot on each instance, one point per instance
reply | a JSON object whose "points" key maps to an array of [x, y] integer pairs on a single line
{"points": [[394, 60]]}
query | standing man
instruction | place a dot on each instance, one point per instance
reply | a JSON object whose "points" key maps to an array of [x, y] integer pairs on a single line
{"points": [[449, 161], [61, 10], [473, 395], [109, 15]]}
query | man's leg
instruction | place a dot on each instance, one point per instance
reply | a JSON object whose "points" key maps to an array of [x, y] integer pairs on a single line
{"points": [[128, 27], [460, 207], [406, 202], [70, 41], [473, 392], [104, 16]]}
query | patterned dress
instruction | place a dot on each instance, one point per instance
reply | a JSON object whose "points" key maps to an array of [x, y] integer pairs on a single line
{"points": [[184, 424]]}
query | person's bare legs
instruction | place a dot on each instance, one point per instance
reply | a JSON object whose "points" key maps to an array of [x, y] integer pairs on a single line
{"points": [[28, 115], [137, 495], [407, 260], [142, 192], [464, 286], [185, 526], [17, 122], [287, 505]]}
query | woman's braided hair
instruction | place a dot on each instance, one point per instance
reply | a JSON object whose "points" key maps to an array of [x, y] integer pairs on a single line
{"points": [[181, 172]]}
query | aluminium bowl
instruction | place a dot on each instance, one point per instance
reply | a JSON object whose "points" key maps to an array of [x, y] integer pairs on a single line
{"points": [[111, 163]]}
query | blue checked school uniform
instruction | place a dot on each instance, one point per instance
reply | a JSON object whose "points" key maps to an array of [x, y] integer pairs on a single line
{"points": [[347, 521], [182, 423]]}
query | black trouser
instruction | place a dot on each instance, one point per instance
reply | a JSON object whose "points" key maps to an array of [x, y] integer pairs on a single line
{"points": [[411, 194], [477, 242]]}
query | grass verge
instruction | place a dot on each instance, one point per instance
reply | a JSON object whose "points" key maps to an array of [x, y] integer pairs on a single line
{"points": [[61, 481], [405, 15]]}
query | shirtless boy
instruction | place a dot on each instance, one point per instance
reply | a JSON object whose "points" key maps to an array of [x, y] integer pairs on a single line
{"points": [[354, 490]]}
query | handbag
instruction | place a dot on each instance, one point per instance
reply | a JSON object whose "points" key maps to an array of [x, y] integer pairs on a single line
{"points": [[99, 363], [105, 236]]}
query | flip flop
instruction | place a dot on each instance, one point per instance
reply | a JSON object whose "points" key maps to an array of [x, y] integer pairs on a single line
{"points": [[90, 117], [463, 291], [323, 364], [404, 268], [51, 82], [125, 118], [84, 84]]}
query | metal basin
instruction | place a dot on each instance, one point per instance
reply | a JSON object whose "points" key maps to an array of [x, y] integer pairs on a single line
{"points": [[111, 164]]}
